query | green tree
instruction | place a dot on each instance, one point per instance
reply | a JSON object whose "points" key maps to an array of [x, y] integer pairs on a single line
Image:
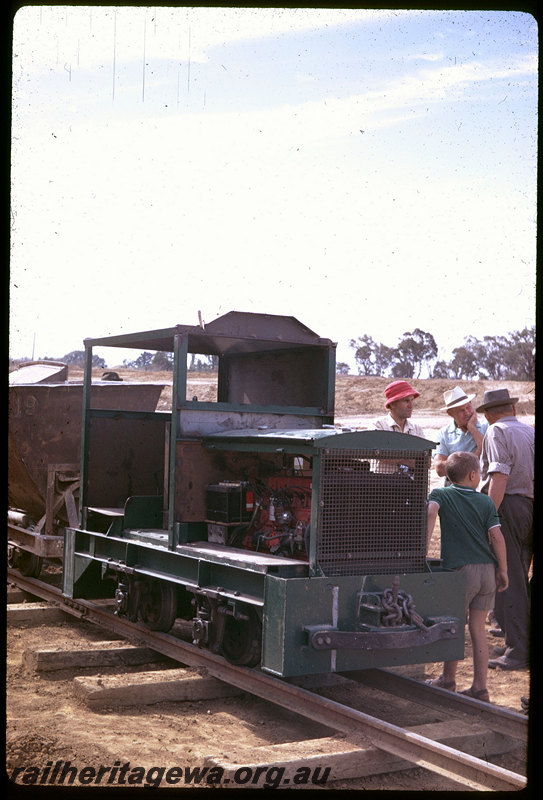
{"points": [[373, 358], [383, 358], [77, 358], [510, 357], [143, 361], [416, 349], [402, 369], [464, 364], [208, 363], [519, 358], [492, 357], [441, 370], [364, 347], [162, 361], [342, 368]]}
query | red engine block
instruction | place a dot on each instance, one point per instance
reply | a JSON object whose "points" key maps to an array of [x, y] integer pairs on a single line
{"points": [[282, 520]]}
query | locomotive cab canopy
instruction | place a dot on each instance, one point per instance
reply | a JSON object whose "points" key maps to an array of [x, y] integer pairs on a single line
{"points": [[263, 359]]}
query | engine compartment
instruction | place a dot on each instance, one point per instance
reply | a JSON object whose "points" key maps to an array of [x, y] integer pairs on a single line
{"points": [[271, 515]]}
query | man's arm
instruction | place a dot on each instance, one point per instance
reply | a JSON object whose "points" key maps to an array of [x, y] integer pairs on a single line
{"points": [[476, 433], [497, 543], [496, 487], [439, 464]]}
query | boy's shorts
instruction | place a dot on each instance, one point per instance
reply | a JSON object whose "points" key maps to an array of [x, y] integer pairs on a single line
{"points": [[480, 586]]}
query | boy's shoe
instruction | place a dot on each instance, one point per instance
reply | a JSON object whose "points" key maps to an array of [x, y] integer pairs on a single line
{"points": [[481, 694], [499, 650], [441, 684]]}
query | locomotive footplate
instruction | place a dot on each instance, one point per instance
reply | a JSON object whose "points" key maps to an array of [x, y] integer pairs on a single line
{"points": [[326, 637]]}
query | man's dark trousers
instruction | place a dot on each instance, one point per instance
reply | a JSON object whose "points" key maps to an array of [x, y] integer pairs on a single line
{"points": [[512, 607]]}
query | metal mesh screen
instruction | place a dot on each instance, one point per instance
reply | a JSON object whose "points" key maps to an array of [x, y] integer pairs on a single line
{"points": [[372, 511]]}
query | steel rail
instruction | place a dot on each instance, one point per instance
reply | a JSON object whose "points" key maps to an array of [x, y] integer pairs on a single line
{"points": [[418, 750], [497, 719]]}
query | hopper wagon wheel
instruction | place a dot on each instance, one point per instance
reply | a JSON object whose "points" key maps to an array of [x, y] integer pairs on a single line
{"points": [[241, 643], [158, 605], [27, 563]]}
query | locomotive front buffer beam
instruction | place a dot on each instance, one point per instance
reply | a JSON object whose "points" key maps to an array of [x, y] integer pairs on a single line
{"points": [[386, 620], [330, 624]]}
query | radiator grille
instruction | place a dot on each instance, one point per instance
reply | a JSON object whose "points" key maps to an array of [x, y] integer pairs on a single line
{"points": [[372, 511]]}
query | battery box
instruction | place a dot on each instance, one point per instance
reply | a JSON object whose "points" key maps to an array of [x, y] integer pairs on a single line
{"points": [[229, 502]]}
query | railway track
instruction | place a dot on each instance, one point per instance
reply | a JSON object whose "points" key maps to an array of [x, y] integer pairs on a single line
{"points": [[406, 745]]}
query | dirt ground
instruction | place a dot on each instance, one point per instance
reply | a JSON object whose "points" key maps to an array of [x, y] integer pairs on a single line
{"points": [[46, 724], [354, 394]]}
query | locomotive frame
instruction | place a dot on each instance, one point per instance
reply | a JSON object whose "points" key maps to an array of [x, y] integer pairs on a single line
{"points": [[288, 542]]}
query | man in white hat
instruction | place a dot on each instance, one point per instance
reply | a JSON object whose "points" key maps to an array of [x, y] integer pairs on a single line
{"points": [[465, 431]]}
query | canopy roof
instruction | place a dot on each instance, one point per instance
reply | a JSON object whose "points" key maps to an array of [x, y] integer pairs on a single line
{"points": [[234, 332]]}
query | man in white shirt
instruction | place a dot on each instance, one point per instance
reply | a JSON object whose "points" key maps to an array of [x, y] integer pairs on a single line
{"points": [[399, 402]]}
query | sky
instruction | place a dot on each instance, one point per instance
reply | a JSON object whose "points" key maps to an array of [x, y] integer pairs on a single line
{"points": [[365, 171]]}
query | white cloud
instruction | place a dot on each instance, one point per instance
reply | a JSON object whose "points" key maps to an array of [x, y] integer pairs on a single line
{"points": [[426, 56]]}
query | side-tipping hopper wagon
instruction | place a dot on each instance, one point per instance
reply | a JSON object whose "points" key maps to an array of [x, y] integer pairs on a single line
{"points": [[44, 451]]}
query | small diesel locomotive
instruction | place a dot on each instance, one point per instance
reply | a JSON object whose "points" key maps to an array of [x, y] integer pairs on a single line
{"points": [[289, 543]]}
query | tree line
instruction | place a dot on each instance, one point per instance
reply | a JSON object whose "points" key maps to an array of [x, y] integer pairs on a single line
{"points": [[148, 362], [510, 357]]}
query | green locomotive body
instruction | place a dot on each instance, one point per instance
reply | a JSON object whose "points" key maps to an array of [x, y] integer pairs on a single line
{"points": [[284, 540]]}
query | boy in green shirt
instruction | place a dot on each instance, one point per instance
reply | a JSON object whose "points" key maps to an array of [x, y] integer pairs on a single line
{"points": [[471, 541]]}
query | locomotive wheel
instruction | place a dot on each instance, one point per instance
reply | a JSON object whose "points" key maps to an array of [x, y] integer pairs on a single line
{"points": [[241, 643], [158, 605]]}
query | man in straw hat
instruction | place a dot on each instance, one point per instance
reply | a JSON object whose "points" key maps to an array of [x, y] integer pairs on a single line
{"points": [[507, 471], [463, 434]]}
